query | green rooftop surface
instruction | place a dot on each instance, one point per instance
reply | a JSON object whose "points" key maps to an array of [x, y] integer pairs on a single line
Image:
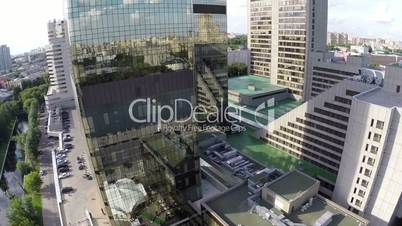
{"points": [[233, 208], [262, 84], [270, 156], [292, 185]]}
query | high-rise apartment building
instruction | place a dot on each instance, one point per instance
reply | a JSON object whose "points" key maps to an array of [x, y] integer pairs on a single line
{"points": [[368, 180], [129, 58], [282, 34], [60, 93], [350, 130], [5, 59]]}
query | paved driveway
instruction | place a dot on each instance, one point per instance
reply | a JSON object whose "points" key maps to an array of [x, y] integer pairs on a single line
{"points": [[86, 193]]}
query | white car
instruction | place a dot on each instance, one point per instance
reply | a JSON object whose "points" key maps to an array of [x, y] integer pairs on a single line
{"points": [[64, 175]]}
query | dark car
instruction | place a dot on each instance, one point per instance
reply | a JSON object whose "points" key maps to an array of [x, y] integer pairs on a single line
{"points": [[81, 167], [62, 166], [64, 170], [68, 146], [67, 190]]}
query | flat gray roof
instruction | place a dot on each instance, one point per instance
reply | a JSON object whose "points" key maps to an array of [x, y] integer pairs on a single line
{"points": [[382, 97], [292, 185], [233, 208]]}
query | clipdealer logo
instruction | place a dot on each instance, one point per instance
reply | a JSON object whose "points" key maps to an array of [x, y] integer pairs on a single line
{"points": [[162, 114]]}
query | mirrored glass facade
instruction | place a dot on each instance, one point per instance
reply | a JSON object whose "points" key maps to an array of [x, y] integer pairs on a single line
{"points": [[162, 50]]}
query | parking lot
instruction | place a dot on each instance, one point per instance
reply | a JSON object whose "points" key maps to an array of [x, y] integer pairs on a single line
{"points": [[79, 192]]}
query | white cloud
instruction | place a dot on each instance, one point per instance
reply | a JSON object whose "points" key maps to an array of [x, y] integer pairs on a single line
{"points": [[237, 16]]}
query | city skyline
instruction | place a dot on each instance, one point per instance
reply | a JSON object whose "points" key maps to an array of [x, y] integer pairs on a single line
{"points": [[341, 14]]}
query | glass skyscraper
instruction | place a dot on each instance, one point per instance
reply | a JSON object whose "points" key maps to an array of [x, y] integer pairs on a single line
{"points": [[158, 51]]}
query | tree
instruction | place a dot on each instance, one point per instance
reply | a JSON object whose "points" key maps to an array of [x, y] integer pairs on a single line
{"points": [[8, 111], [36, 92], [237, 69], [24, 168], [32, 182], [21, 212]]}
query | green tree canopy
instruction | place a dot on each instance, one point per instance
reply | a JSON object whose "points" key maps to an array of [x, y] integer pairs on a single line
{"points": [[21, 212], [32, 182], [24, 168], [237, 69]]}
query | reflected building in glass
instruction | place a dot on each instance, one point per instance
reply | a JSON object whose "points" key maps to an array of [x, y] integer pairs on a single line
{"points": [[155, 52]]}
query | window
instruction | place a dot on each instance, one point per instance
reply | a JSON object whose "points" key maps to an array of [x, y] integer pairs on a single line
{"points": [[398, 89], [371, 161], [364, 183], [369, 135], [361, 193], [364, 159], [358, 203], [380, 125], [367, 173], [377, 137], [374, 149], [358, 180], [367, 146], [372, 123]]}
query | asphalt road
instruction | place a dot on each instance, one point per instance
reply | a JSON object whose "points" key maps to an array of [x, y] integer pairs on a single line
{"points": [[50, 212]]}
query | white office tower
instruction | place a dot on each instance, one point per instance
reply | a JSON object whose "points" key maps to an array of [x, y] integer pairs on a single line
{"points": [[282, 34], [60, 93], [5, 59], [370, 175]]}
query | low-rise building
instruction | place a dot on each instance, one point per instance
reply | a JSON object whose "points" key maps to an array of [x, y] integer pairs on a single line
{"points": [[291, 199]]}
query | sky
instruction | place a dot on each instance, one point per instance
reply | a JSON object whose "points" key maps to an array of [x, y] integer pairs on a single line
{"points": [[24, 28]]}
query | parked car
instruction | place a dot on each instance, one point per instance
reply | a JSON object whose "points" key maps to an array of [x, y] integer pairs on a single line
{"points": [[64, 165], [61, 160], [64, 170], [64, 151], [67, 138], [64, 175], [68, 146], [66, 190], [61, 155]]}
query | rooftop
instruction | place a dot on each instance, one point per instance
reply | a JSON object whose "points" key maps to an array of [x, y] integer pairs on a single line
{"points": [[272, 157], [292, 185], [262, 85], [382, 97], [233, 208], [281, 107]]}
